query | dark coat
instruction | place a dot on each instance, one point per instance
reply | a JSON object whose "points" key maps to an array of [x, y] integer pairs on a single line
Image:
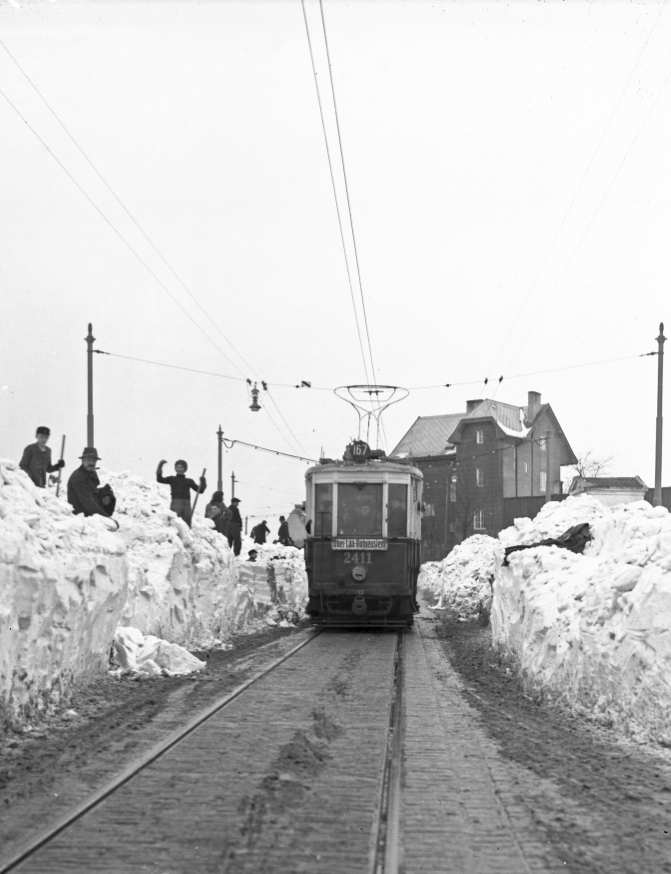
{"points": [[234, 524], [283, 534], [180, 485], [259, 532], [37, 463], [83, 492]]}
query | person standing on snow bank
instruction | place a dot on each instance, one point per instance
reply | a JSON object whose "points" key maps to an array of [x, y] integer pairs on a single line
{"points": [[217, 500], [283, 532], [36, 458], [259, 532], [83, 486], [180, 488], [234, 527]]}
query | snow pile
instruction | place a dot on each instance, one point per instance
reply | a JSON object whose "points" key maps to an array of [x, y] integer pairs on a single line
{"points": [[63, 584], [463, 580], [594, 630], [182, 582], [151, 656], [277, 583]]}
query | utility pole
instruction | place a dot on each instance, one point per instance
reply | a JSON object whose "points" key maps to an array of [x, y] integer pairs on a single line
{"points": [[220, 485], [232, 485], [89, 416], [657, 500], [548, 474]]}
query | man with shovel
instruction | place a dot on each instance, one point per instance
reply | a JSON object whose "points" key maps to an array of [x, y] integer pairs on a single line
{"points": [[180, 489]]}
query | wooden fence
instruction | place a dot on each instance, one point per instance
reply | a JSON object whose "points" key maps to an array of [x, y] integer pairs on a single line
{"points": [[527, 506]]}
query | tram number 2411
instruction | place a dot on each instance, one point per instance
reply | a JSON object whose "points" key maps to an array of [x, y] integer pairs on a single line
{"points": [[358, 558]]}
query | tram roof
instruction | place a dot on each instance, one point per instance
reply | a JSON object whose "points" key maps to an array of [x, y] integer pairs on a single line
{"points": [[375, 465]]}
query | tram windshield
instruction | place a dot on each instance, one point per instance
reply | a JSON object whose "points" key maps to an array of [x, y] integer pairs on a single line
{"points": [[323, 508], [397, 512], [360, 509]]}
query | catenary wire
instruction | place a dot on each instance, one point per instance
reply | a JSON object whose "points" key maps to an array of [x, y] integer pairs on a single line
{"points": [[335, 193], [123, 239], [349, 207], [577, 191], [589, 225], [124, 207]]}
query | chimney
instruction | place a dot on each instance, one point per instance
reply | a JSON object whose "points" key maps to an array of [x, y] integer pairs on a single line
{"points": [[533, 405], [471, 405]]}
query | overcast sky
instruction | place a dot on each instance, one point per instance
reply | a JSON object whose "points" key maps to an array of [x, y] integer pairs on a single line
{"points": [[509, 182]]}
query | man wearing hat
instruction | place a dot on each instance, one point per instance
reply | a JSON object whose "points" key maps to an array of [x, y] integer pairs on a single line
{"points": [[180, 488], [83, 486], [36, 459], [234, 527]]}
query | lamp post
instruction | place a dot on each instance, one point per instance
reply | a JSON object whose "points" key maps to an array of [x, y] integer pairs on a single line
{"points": [[220, 435], [89, 416], [657, 500]]}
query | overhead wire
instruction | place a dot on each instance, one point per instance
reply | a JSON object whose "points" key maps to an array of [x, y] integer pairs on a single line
{"points": [[335, 192], [589, 225], [151, 243], [577, 191], [125, 208]]}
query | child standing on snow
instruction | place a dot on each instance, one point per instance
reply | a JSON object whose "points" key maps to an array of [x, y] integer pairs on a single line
{"points": [[180, 488]]}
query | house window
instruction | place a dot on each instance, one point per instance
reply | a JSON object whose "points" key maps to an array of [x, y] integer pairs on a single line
{"points": [[478, 520], [479, 436], [453, 489], [453, 527], [543, 444], [526, 467], [479, 476], [544, 480]]}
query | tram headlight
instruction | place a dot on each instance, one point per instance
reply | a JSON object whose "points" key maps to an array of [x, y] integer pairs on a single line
{"points": [[359, 573]]}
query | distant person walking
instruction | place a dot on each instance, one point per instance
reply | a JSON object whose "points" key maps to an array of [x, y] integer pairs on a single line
{"points": [[259, 532], [180, 488], [283, 532], [83, 486], [36, 458], [234, 527]]}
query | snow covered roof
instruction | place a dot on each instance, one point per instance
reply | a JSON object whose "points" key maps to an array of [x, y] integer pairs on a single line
{"points": [[583, 484], [428, 435]]}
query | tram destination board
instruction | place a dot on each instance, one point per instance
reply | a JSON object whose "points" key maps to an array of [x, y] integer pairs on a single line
{"points": [[358, 543]]}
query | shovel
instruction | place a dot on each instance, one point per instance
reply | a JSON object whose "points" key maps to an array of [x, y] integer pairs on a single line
{"points": [[58, 486], [195, 501]]}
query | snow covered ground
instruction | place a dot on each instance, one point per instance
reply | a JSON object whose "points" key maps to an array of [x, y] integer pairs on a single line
{"points": [[67, 582], [590, 631]]}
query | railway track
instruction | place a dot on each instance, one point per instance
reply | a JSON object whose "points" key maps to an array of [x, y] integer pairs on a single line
{"points": [[298, 769]]}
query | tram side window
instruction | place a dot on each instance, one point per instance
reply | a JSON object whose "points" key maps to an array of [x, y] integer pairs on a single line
{"points": [[360, 509], [323, 508], [397, 518]]}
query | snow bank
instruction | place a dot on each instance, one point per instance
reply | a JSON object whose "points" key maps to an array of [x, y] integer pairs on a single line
{"points": [[182, 582], [67, 582], [592, 631], [463, 580], [63, 583]]}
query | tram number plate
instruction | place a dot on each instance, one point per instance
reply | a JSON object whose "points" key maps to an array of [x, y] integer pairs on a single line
{"points": [[358, 543]]}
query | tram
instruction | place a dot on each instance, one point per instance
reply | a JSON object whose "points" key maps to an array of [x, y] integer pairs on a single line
{"points": [[362, 551]]}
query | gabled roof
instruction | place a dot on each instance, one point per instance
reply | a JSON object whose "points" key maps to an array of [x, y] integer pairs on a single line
{"points": [[509, 418], [634, 483], [428, 435]]}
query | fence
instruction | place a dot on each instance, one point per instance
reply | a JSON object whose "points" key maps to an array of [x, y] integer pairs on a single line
{"points": [[666, 497], [527, 506]]}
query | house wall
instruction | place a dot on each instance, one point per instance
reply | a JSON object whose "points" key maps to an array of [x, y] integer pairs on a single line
{"points": [[471, 497], [530, 455], [437, 540]]}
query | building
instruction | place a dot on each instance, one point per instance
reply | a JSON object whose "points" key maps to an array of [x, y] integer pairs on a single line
{"points": [[610, 490], [475, 462]]}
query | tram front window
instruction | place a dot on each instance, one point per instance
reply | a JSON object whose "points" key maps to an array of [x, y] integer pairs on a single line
{"points": [[360, 509], [323, 509]]}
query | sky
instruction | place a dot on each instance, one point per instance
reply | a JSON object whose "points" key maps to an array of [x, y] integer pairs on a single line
{"points": [[493, 201]]}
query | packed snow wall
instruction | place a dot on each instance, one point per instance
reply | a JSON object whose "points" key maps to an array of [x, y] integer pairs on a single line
{"points": [[592, 631], [63, 584], [463, 580], [67, 582]]}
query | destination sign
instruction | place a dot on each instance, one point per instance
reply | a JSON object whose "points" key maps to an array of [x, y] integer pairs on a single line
{"points": [[358, 543]]}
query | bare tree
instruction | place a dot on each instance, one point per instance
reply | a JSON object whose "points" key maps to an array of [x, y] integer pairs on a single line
{"points": [[588, 465]]}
